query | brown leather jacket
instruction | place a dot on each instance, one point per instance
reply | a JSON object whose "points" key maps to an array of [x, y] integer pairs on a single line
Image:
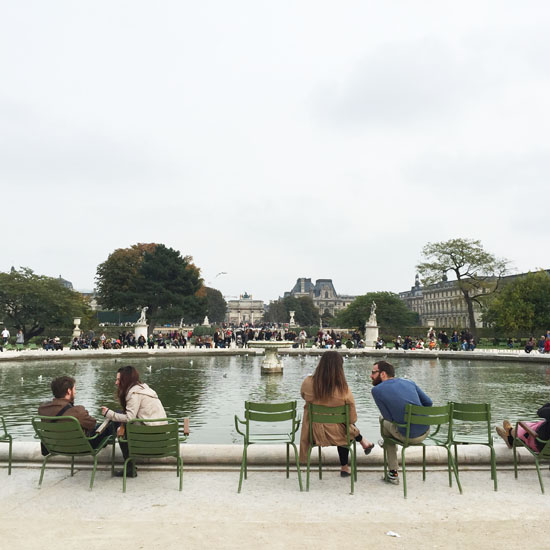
{"points": [[51, 408]]}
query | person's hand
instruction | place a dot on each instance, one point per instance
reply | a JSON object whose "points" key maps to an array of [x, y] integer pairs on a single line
{"points": [[104, 410]]}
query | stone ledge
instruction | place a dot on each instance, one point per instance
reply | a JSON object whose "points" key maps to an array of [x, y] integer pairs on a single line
{"points": [[275, 455]]}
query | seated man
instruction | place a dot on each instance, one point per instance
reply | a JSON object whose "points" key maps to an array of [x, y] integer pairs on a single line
{"points": [[64, 391], [392, 395]]}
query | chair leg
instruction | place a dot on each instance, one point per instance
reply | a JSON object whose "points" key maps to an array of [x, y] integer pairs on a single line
{"points": [[42, 470], [385, 462], [320, 463], [352, 476], [308, 464], [243, 469], [287, 459], [113, 458], [514, 449], [538, 472], [494, 467], [9, 456], [355, 459], [455, 470], [180, 470], [124, 474], [72, 466], [93, 472], [404, 468], [298, 467], [423, 463]]}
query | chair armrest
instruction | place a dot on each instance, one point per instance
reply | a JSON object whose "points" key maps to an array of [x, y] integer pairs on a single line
{"points": [[237, 421], [527, 428]]}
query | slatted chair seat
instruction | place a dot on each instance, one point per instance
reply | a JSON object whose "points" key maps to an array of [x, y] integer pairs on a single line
{"points": [[63, 435], [467, 414], [153, 438], [257, 416], [437, 417], [5, 437]]}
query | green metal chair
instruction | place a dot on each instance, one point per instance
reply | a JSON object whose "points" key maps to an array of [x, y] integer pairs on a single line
{"points": [[5, 437], [63, 435], [153, 441], [429, 417], [256, 416], [331, 415], [466, 413], [542, 455]]}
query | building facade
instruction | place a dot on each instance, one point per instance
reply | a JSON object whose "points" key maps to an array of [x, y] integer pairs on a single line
{"points": [[244, 310], [323, 294]]}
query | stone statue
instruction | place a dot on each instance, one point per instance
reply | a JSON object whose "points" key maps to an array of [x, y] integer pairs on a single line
{"points": [[372, 318], [142, 320]]}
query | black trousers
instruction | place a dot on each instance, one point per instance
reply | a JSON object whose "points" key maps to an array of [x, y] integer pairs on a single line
{"points": [[343, 452]]}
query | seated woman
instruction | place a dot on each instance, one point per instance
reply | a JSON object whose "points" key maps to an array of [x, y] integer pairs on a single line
{"points": [[327, 386], [528, 432], [138, 400]]}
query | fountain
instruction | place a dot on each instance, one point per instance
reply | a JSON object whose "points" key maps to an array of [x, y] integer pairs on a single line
{"points": [[140, 328], [271, 363]]}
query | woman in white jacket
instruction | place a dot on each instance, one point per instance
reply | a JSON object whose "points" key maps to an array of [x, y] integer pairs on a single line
{"points": [[138, 400]]}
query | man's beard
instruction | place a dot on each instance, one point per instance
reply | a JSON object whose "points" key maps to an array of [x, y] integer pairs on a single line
{"points": [[376, 381]]}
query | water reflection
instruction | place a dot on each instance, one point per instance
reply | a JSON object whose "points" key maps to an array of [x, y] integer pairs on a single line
{"points": [[210, 390]]}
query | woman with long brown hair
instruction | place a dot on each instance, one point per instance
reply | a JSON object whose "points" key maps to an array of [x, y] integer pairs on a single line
{"points": [[138, 400], [328, 386]]}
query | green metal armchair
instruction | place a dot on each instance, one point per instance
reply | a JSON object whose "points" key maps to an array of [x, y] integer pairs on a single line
{"points": [[255, 431], [63, 435]]}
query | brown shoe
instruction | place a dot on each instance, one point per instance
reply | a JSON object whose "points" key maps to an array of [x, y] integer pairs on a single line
{"points": [[504, 435], [507, 426]]}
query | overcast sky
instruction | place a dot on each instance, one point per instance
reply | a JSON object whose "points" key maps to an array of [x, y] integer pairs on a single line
{"points": [[273, 140]]}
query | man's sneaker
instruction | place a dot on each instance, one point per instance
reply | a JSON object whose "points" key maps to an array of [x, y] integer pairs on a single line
{"points": [[392, 477]]}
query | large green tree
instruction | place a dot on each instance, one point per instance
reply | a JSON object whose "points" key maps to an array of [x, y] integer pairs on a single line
{"points": [[155, 276], [522, 305], [305, 312], [391, 312], [477, 272], [216, 305], [32, 302]]}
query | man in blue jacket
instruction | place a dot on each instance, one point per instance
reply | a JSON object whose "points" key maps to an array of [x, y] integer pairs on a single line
{"points": [[391, 396]]}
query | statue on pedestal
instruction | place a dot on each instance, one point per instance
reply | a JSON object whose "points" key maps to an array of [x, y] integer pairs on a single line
{"points": [[142, 320], [372, 318]]}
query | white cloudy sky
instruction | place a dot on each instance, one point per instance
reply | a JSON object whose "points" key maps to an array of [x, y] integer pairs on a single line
{"points": [[273, 140]]}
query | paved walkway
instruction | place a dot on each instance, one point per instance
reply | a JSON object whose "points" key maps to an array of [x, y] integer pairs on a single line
{"points": [[270, 512]]}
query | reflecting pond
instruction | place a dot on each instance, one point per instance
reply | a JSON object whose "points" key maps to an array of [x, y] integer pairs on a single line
{"points": [[210, 390]]}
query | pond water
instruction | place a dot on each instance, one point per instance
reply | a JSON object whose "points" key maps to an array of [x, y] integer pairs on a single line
{"points": [[211, 390]]}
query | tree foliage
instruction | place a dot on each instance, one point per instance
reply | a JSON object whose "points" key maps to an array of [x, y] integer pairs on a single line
{"points": [[305, 312], [523, 305], [32, 302], [391, 312], [155, 276], [478, 272], [216, 306]]}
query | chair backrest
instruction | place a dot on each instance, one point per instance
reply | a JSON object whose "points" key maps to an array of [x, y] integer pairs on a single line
{"points": [[428, 416], [472, 412], [328, 415], [146, 440], [269, 412], [62, 435]]}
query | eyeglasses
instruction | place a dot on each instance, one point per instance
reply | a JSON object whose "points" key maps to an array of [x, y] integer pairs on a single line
{"points": [[375, 371]]}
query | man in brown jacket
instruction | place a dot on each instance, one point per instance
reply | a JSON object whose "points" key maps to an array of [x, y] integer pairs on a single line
{"points": [[64, 391]]}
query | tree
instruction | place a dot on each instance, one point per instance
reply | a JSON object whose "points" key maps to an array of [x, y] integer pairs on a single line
{"points": [[32, 303], [305, 312], [478, 272], [391, 312], [522, 305], [155, 276], [216, 305]]}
